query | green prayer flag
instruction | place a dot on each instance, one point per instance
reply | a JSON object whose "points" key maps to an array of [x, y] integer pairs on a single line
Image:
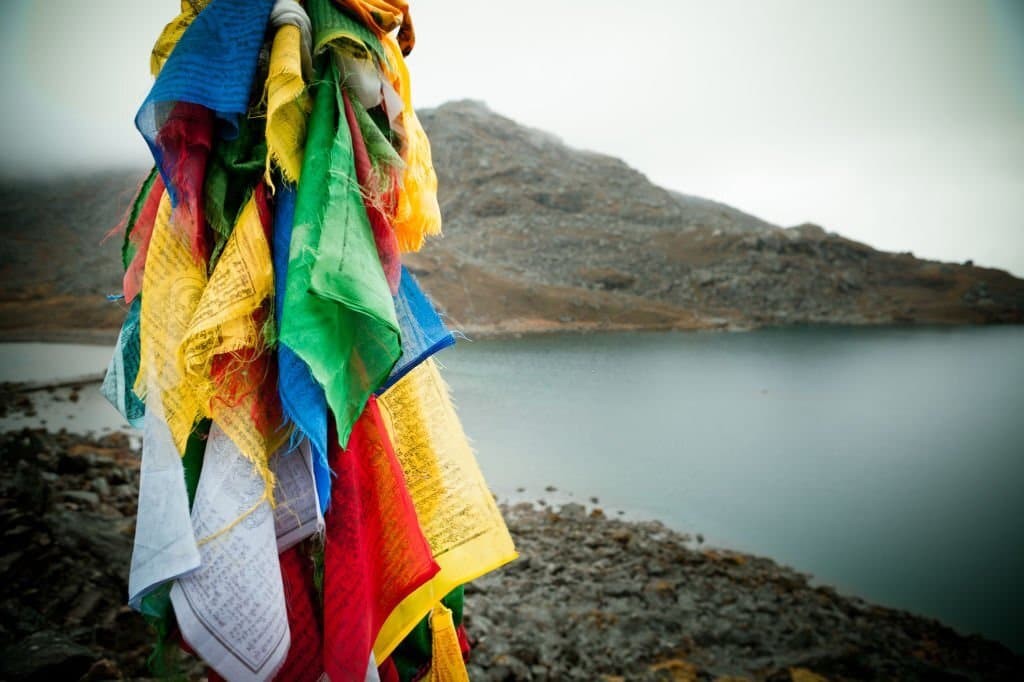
{"points": [[338, 313], [378, 144], [128, 247], [192, 460], [332, 27], [234, 168]]}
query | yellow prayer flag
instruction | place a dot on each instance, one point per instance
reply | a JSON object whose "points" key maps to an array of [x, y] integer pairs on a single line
{"points": [[172, 33], [418, 213], [172, 285], [446, 664], [288, 104], [456, 511], [224, 322]]}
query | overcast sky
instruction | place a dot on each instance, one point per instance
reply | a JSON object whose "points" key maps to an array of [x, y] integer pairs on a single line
{"points": [[899, 123]]}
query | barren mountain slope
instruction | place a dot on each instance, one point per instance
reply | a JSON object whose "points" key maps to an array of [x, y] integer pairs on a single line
{"points": [[521, 207], [538, 236]]}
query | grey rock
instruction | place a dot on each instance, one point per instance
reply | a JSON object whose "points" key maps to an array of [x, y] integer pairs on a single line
{"points": [[124, 491], [621, 589], [539, 672], [803, 638], [86, 497], [100, 485], [685, 603], [508, 667], [572, 510], [45, 655]]}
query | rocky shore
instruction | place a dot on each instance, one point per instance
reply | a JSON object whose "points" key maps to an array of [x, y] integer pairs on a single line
{"points": [[591, 598], [598, 598]]}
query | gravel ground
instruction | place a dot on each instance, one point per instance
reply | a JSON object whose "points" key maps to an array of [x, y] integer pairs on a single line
{"points": [[593, 597], [590, 598]]}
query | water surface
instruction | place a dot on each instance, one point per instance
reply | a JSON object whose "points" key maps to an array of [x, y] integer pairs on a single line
{"points": [[888, 462]]}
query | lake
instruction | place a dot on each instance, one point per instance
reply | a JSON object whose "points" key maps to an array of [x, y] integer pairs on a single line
{"points": [[888, 462]]}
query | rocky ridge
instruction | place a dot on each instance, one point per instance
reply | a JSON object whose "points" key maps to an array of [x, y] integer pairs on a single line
{"points": [[538, 237]]}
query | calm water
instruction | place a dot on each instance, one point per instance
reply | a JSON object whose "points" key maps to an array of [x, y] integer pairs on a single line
{"points": [[887, 462]]}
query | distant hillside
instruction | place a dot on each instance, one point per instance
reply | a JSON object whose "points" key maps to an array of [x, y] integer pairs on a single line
{"points": [[538, 236], [56, 268], [541, 235]]}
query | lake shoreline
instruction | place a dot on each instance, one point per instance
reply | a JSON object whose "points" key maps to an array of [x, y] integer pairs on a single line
{"points": [[613, 599], [750, 474], [590, 597], [517, 329]]}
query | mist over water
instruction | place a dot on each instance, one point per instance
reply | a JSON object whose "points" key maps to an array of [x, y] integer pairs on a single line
{"points": [[887, 462]]}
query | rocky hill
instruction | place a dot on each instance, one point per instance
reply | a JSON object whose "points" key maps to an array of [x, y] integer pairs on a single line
{"points": [[538, 237]]}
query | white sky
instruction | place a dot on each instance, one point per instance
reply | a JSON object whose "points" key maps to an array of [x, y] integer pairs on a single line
{"points": [[899, 123]]}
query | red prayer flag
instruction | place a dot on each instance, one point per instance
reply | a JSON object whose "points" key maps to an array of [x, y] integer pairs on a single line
{"points": [[185, 141], [375, 553], [387, 671], [383, 234], [305, 657], [140, 235]]}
